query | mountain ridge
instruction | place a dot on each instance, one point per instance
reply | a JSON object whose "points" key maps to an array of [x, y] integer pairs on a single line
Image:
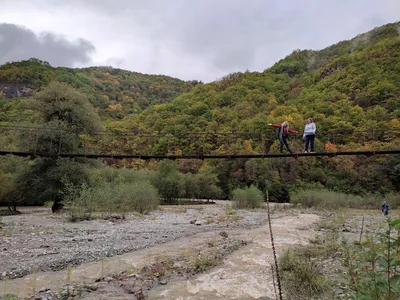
{"points": [[114, 91]]}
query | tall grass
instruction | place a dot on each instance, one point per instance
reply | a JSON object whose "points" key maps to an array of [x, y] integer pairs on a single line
{"points": [[302, 276], [325, 199], [393, 199], [250, 197]]}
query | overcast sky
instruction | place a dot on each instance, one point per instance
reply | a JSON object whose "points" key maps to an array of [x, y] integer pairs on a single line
{"points": [[188, 39]]}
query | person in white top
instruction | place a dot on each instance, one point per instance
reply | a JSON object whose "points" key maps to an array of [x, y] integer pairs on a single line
{"points": [[309, 135]]}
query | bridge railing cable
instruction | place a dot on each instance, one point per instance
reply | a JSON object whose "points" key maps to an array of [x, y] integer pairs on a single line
{"points": [[35, 139]]}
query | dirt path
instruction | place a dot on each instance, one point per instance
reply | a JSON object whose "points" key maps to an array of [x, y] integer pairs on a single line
{"points": [[243, 275]]}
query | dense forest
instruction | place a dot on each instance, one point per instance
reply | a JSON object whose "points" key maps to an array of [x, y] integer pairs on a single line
{"points": [[350, 89], [115, 92]]}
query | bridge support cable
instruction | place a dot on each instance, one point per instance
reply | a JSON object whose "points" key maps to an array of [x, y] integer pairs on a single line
{"points": [[174, 157], [52, 142]]}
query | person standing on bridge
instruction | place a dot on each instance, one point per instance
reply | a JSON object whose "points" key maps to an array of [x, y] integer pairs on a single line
{"points": [[283, 134], [309, 135]]}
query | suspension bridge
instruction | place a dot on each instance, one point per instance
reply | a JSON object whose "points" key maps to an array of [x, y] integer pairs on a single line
{"points": [[30, 141]]}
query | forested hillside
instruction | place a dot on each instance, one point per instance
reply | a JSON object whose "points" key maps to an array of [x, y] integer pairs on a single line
{"points": [[351, 90], [115, 92], [350, 87]]}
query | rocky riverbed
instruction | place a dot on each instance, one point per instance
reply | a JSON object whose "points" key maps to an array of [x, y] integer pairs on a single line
{"points": [[38, 240], [210, 264], [178, 252]]}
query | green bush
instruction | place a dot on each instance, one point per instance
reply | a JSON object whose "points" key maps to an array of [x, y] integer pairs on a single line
{"points": [[139, 196], [81, 203], [168, 181], [373, 266], [250, 197], [322, 198]]}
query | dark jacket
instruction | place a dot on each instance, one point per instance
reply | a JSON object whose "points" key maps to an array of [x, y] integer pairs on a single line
{"points": [[283, 131], [385, 208]]}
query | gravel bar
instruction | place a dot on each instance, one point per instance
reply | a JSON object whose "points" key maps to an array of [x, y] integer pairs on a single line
{"points": [[46, 241]]}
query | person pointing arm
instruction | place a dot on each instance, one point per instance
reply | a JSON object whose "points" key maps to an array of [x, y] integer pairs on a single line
{"points": [[284, 130]]}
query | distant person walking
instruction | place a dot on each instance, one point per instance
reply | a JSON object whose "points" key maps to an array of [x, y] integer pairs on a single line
{"points": [[283, 134], [309, 135], [385, 208]]}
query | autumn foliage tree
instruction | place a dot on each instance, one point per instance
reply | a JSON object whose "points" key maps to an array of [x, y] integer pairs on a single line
{"points": [[68, 112]]}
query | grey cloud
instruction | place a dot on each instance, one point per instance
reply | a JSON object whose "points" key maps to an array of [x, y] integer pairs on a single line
{"points": [[19, 43], [234, 35], [209, 38], [225, 34]]}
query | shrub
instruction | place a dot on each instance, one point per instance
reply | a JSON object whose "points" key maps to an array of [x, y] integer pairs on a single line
{"points": [[139, 196], [250, 197], [373, 265], [307, 199], [80, 202], [322, 198], [168, 180], [393, 199]]}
